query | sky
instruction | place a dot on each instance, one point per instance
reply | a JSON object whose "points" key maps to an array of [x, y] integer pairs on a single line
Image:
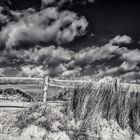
{"points": [[89, 39]]}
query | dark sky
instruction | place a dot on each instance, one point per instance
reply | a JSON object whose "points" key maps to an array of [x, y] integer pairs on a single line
{"points": [[110, 18]]}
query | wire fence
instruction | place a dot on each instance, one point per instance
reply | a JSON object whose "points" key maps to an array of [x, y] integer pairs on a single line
{"points": [[49, 87]]}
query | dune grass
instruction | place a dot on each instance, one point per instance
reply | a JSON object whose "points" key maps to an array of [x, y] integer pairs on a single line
{"points": [[42, 115], [110, 102], [93, 110]]}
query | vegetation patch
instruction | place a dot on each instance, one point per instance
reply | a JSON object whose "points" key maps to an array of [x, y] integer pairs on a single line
{"points": [[109, 112]]}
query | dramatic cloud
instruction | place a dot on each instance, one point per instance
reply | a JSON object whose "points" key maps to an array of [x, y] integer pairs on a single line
{"points": [[124, 39], [32, 71], [93, 61], [131, 76], [53, 55], [60, 3], [44, 26], [54, 2], [92, 54], [132, 56], [72, 73], [127, 66], [56, 71], [37, 4], [63, 62], [3, 18], [59, 61], [2, 72], [30, 28], [117, 71]]}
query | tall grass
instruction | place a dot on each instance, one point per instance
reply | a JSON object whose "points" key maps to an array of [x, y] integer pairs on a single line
{"points": [[92, 109], [109, 101]]}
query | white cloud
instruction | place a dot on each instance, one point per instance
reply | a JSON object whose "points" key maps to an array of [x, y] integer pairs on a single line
{"points": [[64, 62], [32, 71], [72, 73], [2, 72], [132, 56], [124, 39], [49, 55], [98, 62], [127, 66], [54, 2], [92, 54], [124, 67], [44, 26], [3, 18], [133, 75], [62, 2]]}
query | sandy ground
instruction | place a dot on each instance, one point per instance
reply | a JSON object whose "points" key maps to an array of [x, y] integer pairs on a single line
{"points": [[8, 132], [108, 131]]}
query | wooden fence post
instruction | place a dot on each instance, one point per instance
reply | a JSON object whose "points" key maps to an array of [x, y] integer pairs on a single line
{"points": [[117, 84], [45, 88]]}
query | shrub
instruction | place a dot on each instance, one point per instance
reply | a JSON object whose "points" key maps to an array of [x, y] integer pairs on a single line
{"points": [[42, 115]]}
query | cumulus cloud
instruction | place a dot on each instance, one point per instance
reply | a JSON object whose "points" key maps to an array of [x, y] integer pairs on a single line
{"points": [[47, 60], [32, 71], [95, 62], [131, 76], [124, 39], [117, 71], [48, 55], [72, 73], [3, 18], [132, 56], [53, 2], [44, 26], [50, 23], [2, 72], [58, 71], [92, 54], [60, 3], [51, 56], [127, 66]]}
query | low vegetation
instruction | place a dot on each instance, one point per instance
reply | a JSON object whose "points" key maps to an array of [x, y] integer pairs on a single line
{"points": [[108, 104], [42, 115], [109, 112]]}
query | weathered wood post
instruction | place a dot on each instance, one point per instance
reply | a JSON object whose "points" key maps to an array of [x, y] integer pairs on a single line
{"points": [[45, 88], [117, 84]]}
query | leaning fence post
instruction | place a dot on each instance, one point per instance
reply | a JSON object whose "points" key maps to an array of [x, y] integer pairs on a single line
{"points": [[117, 84], [45, 88]]}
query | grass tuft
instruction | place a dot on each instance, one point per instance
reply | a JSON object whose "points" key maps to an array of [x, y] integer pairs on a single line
{"points": [[109, 101]]}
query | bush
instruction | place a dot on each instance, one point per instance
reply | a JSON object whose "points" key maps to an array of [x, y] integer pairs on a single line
{"points": [[42, 115]]}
